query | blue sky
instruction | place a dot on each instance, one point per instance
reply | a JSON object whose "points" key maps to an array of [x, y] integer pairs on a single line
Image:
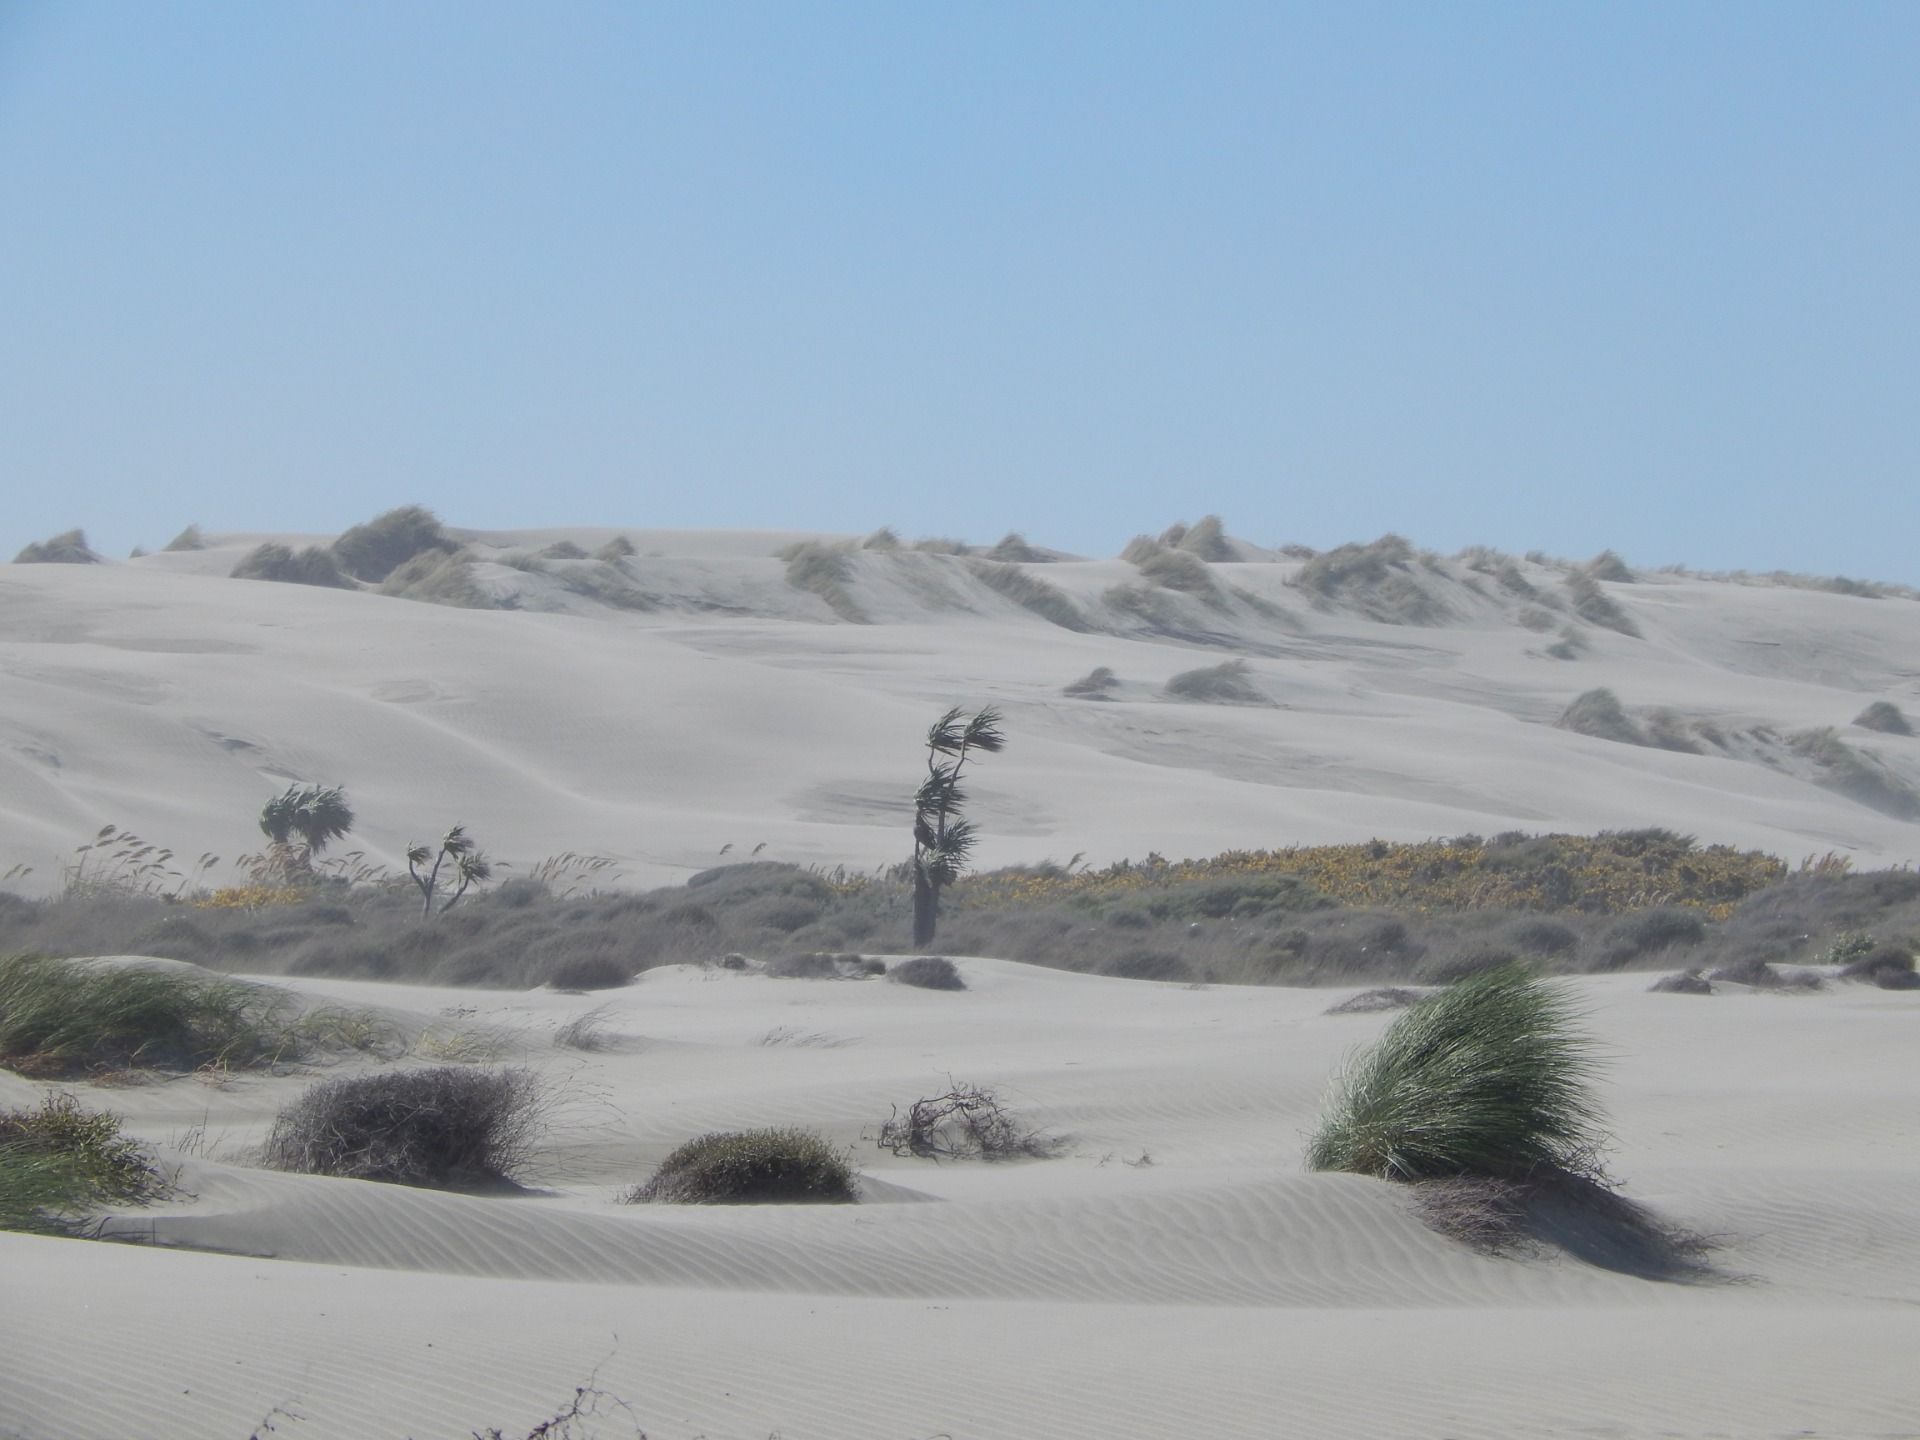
{"points": [[1542, 276]]}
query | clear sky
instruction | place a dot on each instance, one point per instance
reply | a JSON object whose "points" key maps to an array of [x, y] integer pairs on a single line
{"points": [[1549, 276]]}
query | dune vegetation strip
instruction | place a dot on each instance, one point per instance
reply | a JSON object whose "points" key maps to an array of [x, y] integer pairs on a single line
{"points": [[61, 1163]]}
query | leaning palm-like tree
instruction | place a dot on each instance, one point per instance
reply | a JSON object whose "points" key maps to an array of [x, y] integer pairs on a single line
{"points": [[317, 814], [425, 862], [942, 838]]}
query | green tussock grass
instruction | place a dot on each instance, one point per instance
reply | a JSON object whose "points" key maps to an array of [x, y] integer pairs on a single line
{"points": [[751, 1167], [59, 1162], [1030, 592], [1490, 1077]]}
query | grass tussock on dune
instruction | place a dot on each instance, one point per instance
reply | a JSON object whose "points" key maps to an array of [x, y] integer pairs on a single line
{"points": [[1030, 592], [374, 550], [311, 566], [59, 1163], [826, 571], [69, 547], [751, 1167]]}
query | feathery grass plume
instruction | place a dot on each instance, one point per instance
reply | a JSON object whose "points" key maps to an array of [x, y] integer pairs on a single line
{"points": [[936, 972], [607, 582], [1141, 549], [188, 539], [1491, 1076], [1856, 775], [1595, 606], [69, 547], [64, 1017], [615, 550], [1093, 685], [311, 566], [1609, 566], [1222, 684], [1179, 570], [824, 570], [586, 1031], [1013, 549], [437, 578], [1598, 713], [885, 540], [942, 545], [374, 550], [60, 1161], [1884, 716], [751, 1167], [1029, 592], [1207, 539], [444, 1126], [1535, 618], [562, 550]]}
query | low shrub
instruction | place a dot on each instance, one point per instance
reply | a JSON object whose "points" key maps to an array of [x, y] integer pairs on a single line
{"points": [[1884, 716], [1013, 549], [1599, 713], [821, 966], [1596, 607], [1632, 937], [311, 566], [59, 1162], [1222, 684], [1682, 982], [62, 1017], [1145, 965], [1093, 685], [1372, 1002], [1610, 567], [927, 972], [1888, 966], [590, 972], [1858, 776], [824, 570], [751, 1167], [69, 547], [1178, 570], [968, 1122], [1206, 539], [376, 549], [436, 577], [1488, 1077], [1761, 975], [615, 550], [441, 1127], [188, 539]]}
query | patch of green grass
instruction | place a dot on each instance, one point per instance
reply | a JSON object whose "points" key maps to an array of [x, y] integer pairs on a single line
{"points": [[59, 1162], [1491, 1077]]}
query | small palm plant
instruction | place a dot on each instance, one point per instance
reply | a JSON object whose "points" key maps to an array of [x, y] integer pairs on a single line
{"points": [[425, 863], [318, 814], [942, 838]]}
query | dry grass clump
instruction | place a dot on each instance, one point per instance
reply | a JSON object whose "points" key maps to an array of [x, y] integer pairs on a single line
{"points": [[1179, 570], [437, 577], [1222, 684], [751, 1167], [1682, 982], [561, 550], [1207, 539], [69, 547], [586, 1031], [1762, 975], [1888, 966], [374, 550], [615, 550], [1030, 592], [1013, 549], [968, 1122], [824, 570], [817, 965], [1376, 579], [1372, 1002], [1596, 607], [885, 540], [311, 566], [1093, 685], [1858, 776], [608, 582], [1599, 713], [1885, 717], [188, 539], [441, 1127], [936, 972], [1610, 567], [60, 1162]]}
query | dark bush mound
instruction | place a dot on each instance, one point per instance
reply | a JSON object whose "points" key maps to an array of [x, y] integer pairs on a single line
{"points": [[1888, 966], [751, 1167], [1222, 684], [1371, 1002], [1145, 965], [1648, 932], [1682, 982], [1465, 964], [311, 566], [928, 972], [373, 551], [443, 1127], [1762, 976], [590, 972], [818, 965], [1884, 716]]}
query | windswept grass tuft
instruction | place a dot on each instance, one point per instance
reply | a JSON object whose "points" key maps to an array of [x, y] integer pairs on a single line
{"points": [[311, 566], [1596, 607], [1491, 1077], [1222, 684], [1885, 717], [1858, 776], [1598, 713], [437, 578], [1093, 685], [59, 1162], [373, 551], [69, 547], [824, 570], [188, 539], [1030, 592]]}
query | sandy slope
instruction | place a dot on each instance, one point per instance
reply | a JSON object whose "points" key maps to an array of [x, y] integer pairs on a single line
{"points": [[167, 699], [1218, 1290]]}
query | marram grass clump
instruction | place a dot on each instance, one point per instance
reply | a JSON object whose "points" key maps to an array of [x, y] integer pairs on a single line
{"points": [[60, 1162], [751, 1167], [1490, 1077]]}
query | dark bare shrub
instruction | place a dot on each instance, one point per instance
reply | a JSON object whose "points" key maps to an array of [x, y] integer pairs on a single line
{"points": [[751, 1167], [442, 1127], [591, 972], [822, 966], [1372, 1002], [1888, 966], [1682, 982], [1145, 965], [1763, 976], [929, 972], [968, 1122], [1222, 684], [1884, 716], [373, 551]]}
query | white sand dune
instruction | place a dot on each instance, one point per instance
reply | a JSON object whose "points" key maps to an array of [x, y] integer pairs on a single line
{"points": [[1219, 1289], [1174, 1271], [164, 698]]}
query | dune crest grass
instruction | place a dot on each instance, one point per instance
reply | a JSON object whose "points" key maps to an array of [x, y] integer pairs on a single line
{"points": [[1492, 1077], [59, 1161]]}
